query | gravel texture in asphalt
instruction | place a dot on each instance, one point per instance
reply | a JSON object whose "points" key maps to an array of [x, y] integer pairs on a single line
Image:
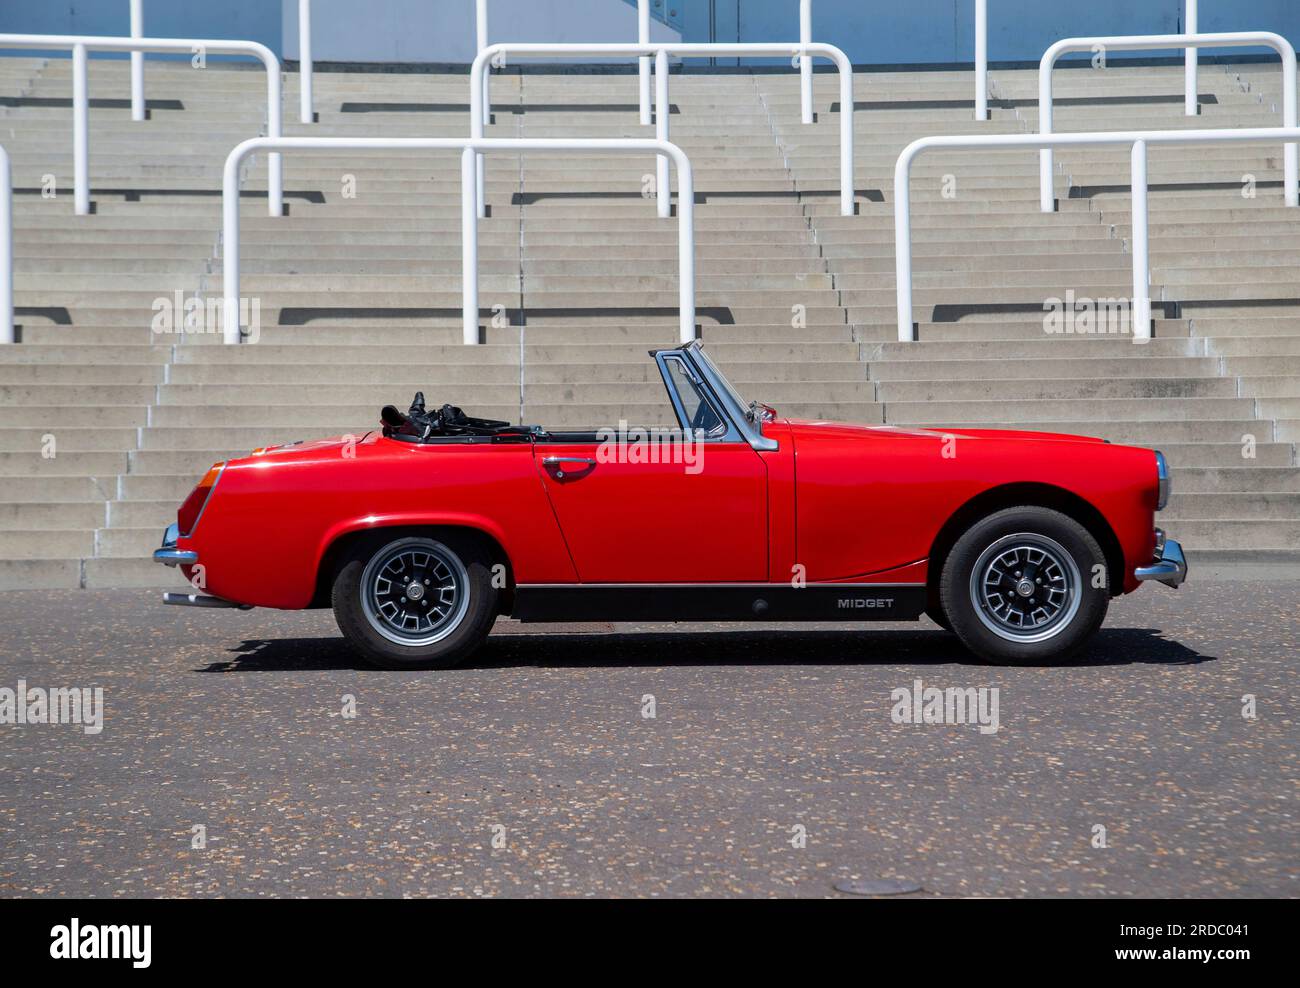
{"points": [[771, 765]]}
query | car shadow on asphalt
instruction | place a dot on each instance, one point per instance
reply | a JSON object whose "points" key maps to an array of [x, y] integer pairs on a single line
{"points": [[1111, 647]]}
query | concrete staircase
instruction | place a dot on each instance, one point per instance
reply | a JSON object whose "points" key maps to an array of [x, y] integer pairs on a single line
{"points": [[359, 295]]}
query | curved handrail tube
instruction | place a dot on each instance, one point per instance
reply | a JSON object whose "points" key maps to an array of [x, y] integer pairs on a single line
{"points": [[6, 250], [480, 99], [1149, 42], [1139, 141], [470, 148], [80, 100]]}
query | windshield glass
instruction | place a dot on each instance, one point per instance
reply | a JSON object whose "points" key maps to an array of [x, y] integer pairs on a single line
{"points": [[734, 395]]}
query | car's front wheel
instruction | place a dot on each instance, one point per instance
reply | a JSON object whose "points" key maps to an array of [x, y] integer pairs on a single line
{"points": [[416, 602], [1025, 585]]}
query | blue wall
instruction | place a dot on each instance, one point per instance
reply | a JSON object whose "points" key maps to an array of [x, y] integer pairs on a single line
{"points": [[907, 31], [251, 20], [871, 31]]}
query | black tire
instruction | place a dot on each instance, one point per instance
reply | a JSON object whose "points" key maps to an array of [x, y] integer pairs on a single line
{"points": [[1033, 599], [415, 628], [937, 615]]}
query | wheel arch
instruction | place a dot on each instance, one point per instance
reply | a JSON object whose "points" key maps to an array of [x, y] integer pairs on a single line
{"points": [[341, 547], [1026, 494]]}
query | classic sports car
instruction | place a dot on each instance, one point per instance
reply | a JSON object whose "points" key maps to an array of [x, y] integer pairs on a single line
{"points": [[421, 533]]}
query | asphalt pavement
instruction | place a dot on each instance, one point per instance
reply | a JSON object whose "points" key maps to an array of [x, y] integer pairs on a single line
{"points": [[251, 754]]}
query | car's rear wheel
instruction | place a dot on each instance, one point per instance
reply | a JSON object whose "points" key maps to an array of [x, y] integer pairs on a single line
{"points": [[1020, 586], [416, 602]]}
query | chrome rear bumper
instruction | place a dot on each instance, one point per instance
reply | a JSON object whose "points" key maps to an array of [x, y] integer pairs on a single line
{"points": [[1170, 566], [169, 555]]}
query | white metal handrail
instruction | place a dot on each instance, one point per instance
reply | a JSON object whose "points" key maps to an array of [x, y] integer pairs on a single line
{"points": [[79, 45], [643, 63], [1001, 142], [470, 148], [1237, 39], [6, 250], [480, 106]]}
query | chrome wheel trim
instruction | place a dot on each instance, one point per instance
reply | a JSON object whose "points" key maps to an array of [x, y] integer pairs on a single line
{"points": [[415, 594], [1026, 588]]}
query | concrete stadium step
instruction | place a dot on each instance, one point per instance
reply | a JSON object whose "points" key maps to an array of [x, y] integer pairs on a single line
{"points": [[1094, 411], [1022, 391], [1265, 505]]}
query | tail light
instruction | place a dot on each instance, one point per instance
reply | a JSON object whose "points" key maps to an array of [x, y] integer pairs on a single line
{"points": [[190, 512]]}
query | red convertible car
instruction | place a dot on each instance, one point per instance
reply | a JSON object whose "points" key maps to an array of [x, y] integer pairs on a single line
{"points": [[419, 534]]}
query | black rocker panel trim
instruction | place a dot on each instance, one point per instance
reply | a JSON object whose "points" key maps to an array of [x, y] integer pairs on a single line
{"points": [[719, 602]]}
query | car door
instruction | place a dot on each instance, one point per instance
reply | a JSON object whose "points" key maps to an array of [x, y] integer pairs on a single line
{"points": [[684, 505]]}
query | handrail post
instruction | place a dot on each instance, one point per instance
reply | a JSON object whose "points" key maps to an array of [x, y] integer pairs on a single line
{"points": [[1046, 182], [80, 133], [306, 100], [981, 60], [1141, 244], [1290, 158], [663, 184], [846, 133], [483, 116], [137, 62], [274, 172], [805, 62], [478, 85], [643, 63], [685, 248], [230, 245], [903, 242], [468, 247], [1191, 57], [7, 334]]}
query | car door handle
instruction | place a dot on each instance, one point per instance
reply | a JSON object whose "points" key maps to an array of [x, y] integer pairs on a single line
{"points": [[557, 463]]}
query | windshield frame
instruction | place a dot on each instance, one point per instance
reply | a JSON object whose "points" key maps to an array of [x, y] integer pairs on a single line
{"points": [[737, 409]]}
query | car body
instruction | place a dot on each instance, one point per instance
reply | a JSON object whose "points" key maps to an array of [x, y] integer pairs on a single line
{"points": [[738, 514]]}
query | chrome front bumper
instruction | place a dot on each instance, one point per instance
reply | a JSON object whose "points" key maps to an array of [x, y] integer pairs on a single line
{"points": [[1169, 568], [169, 555]]}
